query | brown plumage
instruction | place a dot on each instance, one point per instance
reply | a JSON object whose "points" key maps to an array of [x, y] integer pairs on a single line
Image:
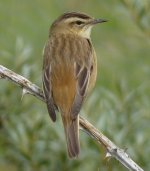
{"points": [[69, 71]]}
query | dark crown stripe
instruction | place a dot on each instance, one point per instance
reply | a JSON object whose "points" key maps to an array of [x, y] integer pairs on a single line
{"points": [[71, 15], [75, 14]]}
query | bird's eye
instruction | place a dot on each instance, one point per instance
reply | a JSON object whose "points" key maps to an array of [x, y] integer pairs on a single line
{"points": [[79, 22]]}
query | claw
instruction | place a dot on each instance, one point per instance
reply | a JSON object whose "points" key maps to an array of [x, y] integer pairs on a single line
{"points": [[108, 155], [24, 91], [1, 76]]}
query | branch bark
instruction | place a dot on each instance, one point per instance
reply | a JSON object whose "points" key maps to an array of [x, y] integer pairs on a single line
{"points": [[112, 150]]}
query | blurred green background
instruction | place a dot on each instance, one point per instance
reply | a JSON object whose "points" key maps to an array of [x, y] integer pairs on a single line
{"points": [[119, 106]]}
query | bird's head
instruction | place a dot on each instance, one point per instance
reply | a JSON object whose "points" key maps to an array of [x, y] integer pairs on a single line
{"points": [[75, 23]]}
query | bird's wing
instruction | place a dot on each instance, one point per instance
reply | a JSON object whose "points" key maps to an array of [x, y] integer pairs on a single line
{"points": [[83, 71], [47, 83]]}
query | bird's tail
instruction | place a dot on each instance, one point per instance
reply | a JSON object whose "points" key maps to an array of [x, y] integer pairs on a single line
{"points": [[71, 127]]}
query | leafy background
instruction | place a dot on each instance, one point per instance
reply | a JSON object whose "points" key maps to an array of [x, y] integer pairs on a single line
{"points": [[119, 106]]}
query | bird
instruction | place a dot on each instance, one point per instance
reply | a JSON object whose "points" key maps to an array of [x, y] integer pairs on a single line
{"points": [[69, 71]]}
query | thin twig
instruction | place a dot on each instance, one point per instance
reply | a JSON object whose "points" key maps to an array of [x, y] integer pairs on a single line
{"points": [[111, 148]]}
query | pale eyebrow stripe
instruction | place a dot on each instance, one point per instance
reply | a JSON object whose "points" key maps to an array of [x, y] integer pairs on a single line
{"points": [[74, 19]]}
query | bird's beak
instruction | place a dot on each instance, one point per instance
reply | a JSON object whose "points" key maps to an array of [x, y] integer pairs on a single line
{"points": [[96, 21]]}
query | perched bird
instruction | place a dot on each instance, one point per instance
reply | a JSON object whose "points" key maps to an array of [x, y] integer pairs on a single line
{"points": [[69, 71]]}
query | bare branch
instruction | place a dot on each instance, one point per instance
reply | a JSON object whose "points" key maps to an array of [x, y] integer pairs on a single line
{"points": [[111, 148]]}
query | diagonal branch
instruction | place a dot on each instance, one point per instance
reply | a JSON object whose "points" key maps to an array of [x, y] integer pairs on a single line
{"points": [[111, 148]]}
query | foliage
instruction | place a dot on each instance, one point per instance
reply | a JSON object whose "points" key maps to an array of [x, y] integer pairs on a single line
{"points": [[119, 105]]}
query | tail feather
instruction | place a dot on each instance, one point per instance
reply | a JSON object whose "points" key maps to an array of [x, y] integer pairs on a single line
{"points": [[71, 128]]}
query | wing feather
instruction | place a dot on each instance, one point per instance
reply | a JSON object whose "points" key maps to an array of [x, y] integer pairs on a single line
{"points": [[82, 85], [83, 72], [47, 85]]}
